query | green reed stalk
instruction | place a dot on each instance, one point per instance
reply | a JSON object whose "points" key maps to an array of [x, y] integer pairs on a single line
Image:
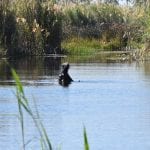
{"points": [[86, 144], [24, 105]]}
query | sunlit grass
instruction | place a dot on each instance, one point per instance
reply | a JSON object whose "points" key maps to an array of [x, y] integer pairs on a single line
{"points": [[87, 46], [80, 46], [35, 27]]}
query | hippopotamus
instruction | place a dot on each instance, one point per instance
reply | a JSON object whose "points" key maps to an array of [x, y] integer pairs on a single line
{"points": [[64, 77]]}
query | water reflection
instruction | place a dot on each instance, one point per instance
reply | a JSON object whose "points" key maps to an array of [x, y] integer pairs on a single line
{"points": [[30, 68], [146, 66], [112, 101]]}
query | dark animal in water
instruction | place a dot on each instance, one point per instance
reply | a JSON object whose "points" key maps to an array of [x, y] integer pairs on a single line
{"points": [[64, 77]]}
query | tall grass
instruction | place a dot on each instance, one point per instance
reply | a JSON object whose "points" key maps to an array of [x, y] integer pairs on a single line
{"points": [[38, 27], [92, 20], [81, 46], [145, 51], [105, 23], [23, 105], [86, 144], [95, 27], [30, 27]]}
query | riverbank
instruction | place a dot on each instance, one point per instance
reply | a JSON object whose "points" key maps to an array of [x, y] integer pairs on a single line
{"points": [[88, 46], [104, 57], [40, 28], [100, 50]]}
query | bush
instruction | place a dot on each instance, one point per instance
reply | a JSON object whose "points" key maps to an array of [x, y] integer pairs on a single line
{"points": [[106, 23], [30, 27], [91, 20]]}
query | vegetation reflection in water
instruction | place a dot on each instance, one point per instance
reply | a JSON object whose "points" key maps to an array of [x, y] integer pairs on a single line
{"points": [[23, 105], [48, 66], [29, 68], [100, 80]]}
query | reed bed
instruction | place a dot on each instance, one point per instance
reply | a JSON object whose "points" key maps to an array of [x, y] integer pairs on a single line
{"points": [[41, 27], [30, 27], [104, 23]]}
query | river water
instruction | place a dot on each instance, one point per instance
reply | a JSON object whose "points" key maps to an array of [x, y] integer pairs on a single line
{"points": [[112, 100]]}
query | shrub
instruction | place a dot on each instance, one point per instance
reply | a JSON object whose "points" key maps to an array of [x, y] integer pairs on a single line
{"points": [[30, 27], [91, 20]]}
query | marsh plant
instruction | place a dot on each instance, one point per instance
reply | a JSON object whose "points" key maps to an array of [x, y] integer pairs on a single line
{"points": [[91, 20], [106, 23], [38, 27], [30, 27], [23, 106]]}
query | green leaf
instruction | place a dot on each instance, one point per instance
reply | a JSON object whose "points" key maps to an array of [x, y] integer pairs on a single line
{"points": [[17, 80], [19, 87], [46, 137], [86, 145]]}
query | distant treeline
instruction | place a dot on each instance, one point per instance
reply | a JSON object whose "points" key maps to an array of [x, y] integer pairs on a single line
{"points": [[38, 27]]}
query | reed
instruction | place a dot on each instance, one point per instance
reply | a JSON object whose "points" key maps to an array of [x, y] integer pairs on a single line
{"points": [[86, 144], [23, 105], [30, 27], [91, 20], [89, 46], [107, 24], [38, 27], [81, 46]]}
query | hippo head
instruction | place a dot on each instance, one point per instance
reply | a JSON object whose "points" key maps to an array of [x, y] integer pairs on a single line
{"points": [[64, 77]]}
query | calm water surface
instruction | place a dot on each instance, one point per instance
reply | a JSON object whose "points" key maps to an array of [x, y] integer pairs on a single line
{"points": [[112, 100]]}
